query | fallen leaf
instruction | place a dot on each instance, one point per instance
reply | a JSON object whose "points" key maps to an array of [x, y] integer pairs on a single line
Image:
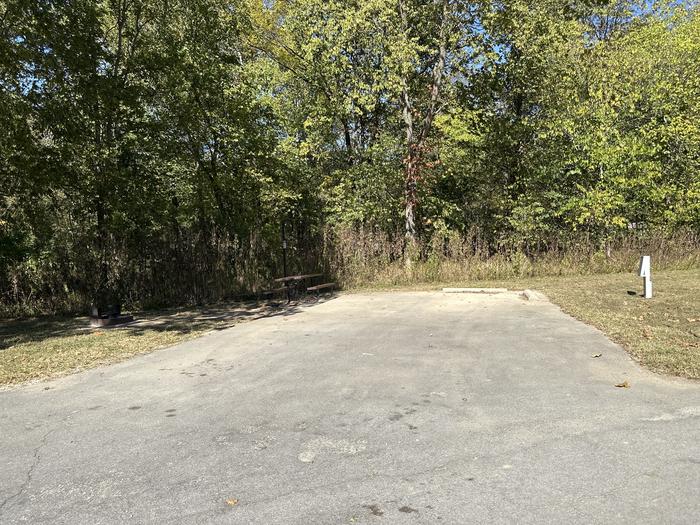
{"points": [[232, 502], [597, 355], [624, 384]]}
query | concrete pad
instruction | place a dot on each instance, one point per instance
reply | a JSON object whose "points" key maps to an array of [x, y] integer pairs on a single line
{"points": [[475, 290], [534, 295], [377, 408]]}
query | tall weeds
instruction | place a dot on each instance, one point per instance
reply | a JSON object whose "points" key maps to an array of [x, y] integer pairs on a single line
{"points": [[362, 259], [199, 271]]}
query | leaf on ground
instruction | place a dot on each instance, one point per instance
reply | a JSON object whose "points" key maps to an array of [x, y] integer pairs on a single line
{"points": [[597, 355], [624, 384], [232, 502]]}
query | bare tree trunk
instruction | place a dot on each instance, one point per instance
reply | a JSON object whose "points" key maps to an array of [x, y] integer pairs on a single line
{"points": [[417, 138], [411, 168], [410, 195]]}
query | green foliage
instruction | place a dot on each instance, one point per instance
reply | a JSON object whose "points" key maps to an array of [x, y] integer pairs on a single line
{"points": [[138, 159], [151, 149]]}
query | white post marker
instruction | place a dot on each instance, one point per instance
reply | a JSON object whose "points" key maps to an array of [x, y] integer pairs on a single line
{"points": [[645, 272]]}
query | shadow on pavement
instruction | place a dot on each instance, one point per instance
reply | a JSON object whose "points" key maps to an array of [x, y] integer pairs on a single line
{"points": [[181, 320]]}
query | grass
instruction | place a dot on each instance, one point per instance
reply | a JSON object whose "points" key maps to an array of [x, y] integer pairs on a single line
{"points": [[662, 333], [46, 347]]}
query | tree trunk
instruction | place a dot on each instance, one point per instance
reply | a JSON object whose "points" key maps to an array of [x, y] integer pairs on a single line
{"points": [[411, 183], [417, 133]]}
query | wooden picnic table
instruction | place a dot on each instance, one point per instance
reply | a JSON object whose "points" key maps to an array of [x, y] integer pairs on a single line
{"points": [[291, 283], [292, 278]]}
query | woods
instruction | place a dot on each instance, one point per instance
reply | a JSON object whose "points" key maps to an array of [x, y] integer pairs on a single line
{"points": [[152, 149]]}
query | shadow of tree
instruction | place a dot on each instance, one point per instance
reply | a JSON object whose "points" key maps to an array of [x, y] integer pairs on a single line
{"points": [[180, 320]]}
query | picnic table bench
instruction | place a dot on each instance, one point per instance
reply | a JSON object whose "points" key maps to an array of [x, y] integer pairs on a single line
{"points": [[320, 287], [292, 284]]}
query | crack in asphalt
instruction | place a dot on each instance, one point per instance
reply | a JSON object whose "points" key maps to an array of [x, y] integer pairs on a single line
{"points": [[36, 455]]}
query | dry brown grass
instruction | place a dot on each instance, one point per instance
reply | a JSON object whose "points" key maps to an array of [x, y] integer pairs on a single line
{"points": [[46, 347], [662, 333], [373, 260]]}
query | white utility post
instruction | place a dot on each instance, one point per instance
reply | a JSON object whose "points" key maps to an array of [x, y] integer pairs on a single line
{"points": [[645, 272]]}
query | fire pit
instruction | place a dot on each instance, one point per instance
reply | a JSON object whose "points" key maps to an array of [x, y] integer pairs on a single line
{"points": [[108, 315]]}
